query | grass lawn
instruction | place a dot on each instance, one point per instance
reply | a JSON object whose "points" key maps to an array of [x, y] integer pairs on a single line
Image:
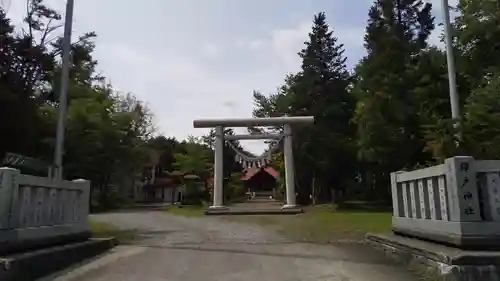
{"points": [[186, 210], [101, 229], [323, 224]]}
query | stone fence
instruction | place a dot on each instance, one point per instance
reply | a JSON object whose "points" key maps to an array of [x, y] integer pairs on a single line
{"points": [[457, 202], [37, 211]]}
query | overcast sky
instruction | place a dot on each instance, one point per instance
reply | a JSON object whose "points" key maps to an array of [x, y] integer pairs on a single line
{"points": [[192, 59]]}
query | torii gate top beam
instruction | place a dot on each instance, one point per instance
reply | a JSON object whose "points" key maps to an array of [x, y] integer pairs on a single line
{"points": [[247, 122]]}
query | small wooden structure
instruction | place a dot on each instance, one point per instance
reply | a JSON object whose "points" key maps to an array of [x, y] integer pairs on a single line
{"points": [[166, 188], [262, 179]]}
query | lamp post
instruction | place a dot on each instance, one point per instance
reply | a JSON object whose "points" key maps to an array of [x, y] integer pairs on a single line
{"points": [[452, 76], [63, 94]]}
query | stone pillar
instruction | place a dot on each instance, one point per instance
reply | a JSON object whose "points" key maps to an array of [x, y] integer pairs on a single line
{"points": [[397, 196], [218, 192], [289, 168], [463, 200], [491, 195], [84, 204], [9, 190]]}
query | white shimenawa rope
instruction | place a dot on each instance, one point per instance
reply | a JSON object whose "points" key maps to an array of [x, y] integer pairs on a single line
{"points": [[255, 161]]}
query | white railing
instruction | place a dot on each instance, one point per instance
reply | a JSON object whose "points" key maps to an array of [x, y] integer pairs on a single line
{"points": [[457, 202], [37, 208], [420, 194]]}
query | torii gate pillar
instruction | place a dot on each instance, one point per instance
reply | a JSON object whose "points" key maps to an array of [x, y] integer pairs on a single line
{"points": [[218, 192], [289, 168], [219, 124]]}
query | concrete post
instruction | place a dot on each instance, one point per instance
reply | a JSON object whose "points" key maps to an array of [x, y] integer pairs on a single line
{"points": [[491, 196], [84, 203], [397, 197], [218, 192], [63, 96], [452, 73], [463, 199], [9, 189], [289, 168]]}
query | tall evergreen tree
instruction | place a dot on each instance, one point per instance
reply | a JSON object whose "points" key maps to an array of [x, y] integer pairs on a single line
{"points": [[325, 75], [389, 134], [323, 151], [24, 66], [323, 86], [477, 41]]}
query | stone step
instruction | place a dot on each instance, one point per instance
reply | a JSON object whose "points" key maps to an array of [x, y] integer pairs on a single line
{"points": [[35, 264], [240, 212]]}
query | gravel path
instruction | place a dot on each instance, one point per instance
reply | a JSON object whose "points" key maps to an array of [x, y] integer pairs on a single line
{"points": [[208, 249]]}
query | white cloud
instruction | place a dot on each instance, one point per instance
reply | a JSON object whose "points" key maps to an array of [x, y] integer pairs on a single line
{"points": [[211, 50], [5, 4], [158, 59], [251, 44], [256, 44], [286, 43], [180, 89]]}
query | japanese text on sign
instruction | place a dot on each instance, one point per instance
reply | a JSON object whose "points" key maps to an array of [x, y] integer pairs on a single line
{"points": [[467, 195], [464, 167], [469, 211]]}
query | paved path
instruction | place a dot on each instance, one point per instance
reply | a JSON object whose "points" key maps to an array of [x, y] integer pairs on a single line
{"points": [[209, 249]]}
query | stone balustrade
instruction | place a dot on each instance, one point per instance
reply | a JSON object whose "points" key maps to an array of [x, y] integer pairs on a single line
{"points": [[37, 211], [457, 202]]}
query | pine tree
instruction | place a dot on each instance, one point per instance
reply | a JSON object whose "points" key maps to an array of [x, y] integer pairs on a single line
{"points": [[324, 71], [477, 41], [387, 112], [321, 89]]}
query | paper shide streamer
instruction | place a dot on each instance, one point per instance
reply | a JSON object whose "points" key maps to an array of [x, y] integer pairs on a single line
{"points": [[254, 161]]}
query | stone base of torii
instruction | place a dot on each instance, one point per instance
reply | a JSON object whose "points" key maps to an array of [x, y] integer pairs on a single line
{"points": [[220, 124]]}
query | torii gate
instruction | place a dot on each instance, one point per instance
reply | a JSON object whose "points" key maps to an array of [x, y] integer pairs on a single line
{"points": [[219, 125]]}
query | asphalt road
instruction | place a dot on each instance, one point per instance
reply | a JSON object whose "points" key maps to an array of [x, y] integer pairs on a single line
{"points": [[209, 249]]}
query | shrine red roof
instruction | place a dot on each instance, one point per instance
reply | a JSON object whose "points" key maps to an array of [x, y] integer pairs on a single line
{"points": [[248, 173]]}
